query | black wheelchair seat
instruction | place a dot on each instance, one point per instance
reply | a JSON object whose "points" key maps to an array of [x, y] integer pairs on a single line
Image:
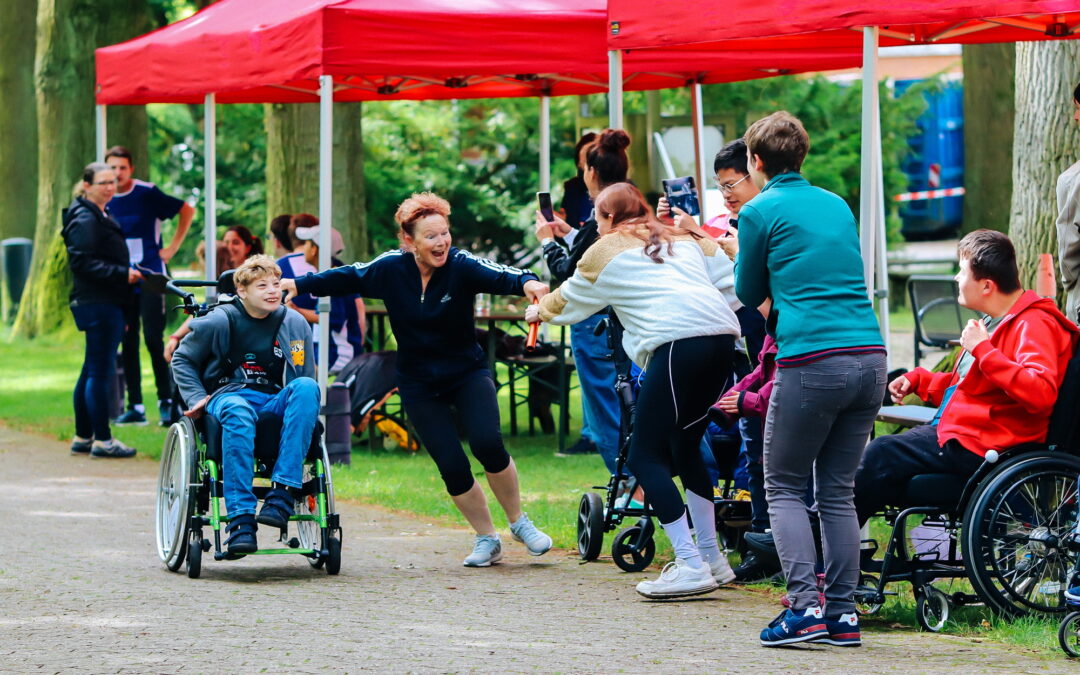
{"points": [[935, 489], [267, 438]]}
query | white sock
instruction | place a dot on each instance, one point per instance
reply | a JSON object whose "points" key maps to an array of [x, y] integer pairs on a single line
{"points": [[139, 408], [679, 533], [703, 513]]}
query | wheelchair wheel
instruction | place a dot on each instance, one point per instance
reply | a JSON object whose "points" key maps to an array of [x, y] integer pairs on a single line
{"points": [[1069, 634], [1014, 533], [176, 494], [626, 556], [866, 595], [590, 526], [931, 608], [308, 531], [333, 561], [194, 556]]}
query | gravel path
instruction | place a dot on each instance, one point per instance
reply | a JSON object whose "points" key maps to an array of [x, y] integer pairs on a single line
{"points": [[82, 591]]}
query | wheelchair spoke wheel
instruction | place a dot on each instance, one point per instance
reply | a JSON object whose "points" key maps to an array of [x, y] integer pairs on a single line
{"points": [[1015, 530], [866, 602], [175, 494], [627, 556], [590, 526], [1069, 634], [931, 608], [308, 531]]}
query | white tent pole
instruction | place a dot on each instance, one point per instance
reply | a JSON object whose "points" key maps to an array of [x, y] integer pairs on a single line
{"points": [[868, 185], [545, 143], [882, 275], [99, 131], [615, 82], [697, 117], [326, 166], [210, 188]]}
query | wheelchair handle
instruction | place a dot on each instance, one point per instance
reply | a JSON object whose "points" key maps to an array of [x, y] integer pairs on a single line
{"points": [[172, 287]]}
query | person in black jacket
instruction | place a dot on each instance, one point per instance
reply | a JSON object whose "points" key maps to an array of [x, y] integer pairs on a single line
{"points": [[429, 289], [102, 286], [605, 163]]}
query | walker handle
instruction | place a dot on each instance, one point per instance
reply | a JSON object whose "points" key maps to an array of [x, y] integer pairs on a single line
{"points": [[534, 332]]}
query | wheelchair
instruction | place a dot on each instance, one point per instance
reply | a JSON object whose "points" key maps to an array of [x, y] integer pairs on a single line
{"points": [[634, 547], [1008, 529], [189, 489]]}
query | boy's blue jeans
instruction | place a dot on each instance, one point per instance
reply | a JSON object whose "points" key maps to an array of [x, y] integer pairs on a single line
{"points": [[599, 402], [298, 406]]}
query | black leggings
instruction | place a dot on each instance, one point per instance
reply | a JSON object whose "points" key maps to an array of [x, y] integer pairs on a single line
{"points": [[683, 379], [150, 307], [478, 409]]}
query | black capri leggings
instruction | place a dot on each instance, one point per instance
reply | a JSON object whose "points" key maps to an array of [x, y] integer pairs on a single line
{"points": [[684, 378], [478, 408]]}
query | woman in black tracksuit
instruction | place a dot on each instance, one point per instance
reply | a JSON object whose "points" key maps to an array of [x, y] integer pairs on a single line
{"points": [[429, 289], [102, 282]]}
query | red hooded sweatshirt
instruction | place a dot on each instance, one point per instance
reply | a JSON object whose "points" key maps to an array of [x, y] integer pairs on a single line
{"points": [[1009, 392]]}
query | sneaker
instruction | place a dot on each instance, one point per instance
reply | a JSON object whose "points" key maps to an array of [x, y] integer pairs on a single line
{"points": [[721, 570], [843, 632], [679, 579], [524, 531], [752, 568], [167, 411], [486, 550], [242, 539], [111, 449], [792, 627], [1072, 596], [81, 446], [583, 447], [277, 508], [131, 417]]}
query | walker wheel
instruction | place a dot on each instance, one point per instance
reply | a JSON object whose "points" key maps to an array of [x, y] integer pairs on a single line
{"points": [[866, 595], [1069, 634], [590, 526], [626, 555], [931, 608]]}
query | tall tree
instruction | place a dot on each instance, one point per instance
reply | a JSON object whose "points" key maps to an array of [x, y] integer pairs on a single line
{"points": [[68, 31], [292, 167], [1046, 142], [989, 76], [18, 121]]}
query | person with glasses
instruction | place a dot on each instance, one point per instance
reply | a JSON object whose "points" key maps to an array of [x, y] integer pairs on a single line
{"points": [[102, 289]]}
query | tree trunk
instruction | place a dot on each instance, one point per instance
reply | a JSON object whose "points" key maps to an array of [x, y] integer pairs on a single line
{"points": [[1046, 142], [989, 76], [292, 167], [18, 123], [68, 31]]}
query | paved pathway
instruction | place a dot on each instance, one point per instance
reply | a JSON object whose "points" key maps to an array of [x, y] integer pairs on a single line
{"points": [[82, 591]]}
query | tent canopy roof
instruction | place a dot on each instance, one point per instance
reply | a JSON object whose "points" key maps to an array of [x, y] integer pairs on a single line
{"points": [[274, 51]]}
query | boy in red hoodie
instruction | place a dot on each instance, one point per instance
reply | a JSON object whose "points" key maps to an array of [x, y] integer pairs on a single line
{"points": [[999, 395]]}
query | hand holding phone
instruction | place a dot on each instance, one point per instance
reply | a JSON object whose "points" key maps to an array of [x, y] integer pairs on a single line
{"points": [[544, 198], [682, 193]]}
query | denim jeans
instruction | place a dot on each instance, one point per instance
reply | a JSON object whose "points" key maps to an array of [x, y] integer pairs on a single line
{"points": [[298, 406], [103, 325], [820, 417], [596, 373], [750, 430]]}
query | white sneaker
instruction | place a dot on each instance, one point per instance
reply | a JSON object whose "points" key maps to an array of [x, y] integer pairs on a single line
{"points": [[486, 550], [721, 570], [679, 579], [536, 541]]}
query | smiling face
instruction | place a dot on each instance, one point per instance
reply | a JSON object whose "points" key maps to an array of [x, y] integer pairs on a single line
{"points": [[737, 189], [262, 296], [102, 189], [430, 241], [238, 250]]}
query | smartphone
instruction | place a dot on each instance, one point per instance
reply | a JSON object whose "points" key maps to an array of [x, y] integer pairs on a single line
{"points": [[682, 193], [544, 198]]}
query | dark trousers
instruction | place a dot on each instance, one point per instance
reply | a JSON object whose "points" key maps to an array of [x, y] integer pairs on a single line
{"points": [[150, 308], [890, 462], [682, 380], [478, 408], [103, 326]]}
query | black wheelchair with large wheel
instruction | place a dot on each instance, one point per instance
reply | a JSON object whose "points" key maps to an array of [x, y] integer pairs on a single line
{"points": [[189, 489]]}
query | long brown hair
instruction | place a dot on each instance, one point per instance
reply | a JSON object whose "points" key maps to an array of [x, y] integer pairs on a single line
{"points": [[630, 213]]}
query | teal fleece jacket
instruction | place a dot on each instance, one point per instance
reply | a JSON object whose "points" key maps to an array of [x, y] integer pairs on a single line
{"points": [[799, 244]]}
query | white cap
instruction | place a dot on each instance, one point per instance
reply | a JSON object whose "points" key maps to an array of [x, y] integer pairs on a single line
{"points": [[337, 244]]}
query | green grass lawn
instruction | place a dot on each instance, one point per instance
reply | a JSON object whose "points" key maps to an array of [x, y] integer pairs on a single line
{"points": [[36, 380]]}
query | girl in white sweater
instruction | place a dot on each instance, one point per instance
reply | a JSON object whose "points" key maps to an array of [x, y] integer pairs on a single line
{"points": [[674, 294]]}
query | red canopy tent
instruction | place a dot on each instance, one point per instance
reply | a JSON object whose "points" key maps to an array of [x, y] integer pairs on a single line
{"points": [[675, 27]]}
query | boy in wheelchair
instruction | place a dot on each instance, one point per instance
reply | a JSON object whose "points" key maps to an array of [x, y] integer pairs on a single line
{"points": [[1001, 392], [240, 360]]}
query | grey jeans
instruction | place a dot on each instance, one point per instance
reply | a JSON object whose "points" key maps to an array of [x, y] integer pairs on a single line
{"points": [[820, 417]]}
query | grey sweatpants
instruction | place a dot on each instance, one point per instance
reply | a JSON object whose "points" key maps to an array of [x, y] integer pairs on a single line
{"points": [[820, 417]]}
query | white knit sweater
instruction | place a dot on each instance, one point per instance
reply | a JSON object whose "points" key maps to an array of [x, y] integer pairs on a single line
{"points": [[690, 294]]}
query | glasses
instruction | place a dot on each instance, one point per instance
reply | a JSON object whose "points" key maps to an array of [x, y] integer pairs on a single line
{"points": [[105, 182], [728, 188]]}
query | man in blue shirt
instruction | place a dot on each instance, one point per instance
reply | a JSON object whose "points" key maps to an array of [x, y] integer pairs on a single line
{"points": [[140, 207]]}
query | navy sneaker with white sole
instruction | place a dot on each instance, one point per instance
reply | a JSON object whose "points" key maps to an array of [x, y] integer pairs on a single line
{"points": [[843, 632], [792, 627]]}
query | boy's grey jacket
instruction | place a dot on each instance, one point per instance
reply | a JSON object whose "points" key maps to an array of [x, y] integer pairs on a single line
{"points": [[197, 362]]}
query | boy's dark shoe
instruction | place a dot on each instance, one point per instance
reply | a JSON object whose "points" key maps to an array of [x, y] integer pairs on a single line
{"points": [[583, 447], [753, 568], [242, 535], [131, 418], [277, 508]]}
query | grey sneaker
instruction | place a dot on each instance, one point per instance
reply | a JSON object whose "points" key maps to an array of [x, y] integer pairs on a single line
{"points": [[486, 550], [81, 446], [536, 541], [111, 449]]}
